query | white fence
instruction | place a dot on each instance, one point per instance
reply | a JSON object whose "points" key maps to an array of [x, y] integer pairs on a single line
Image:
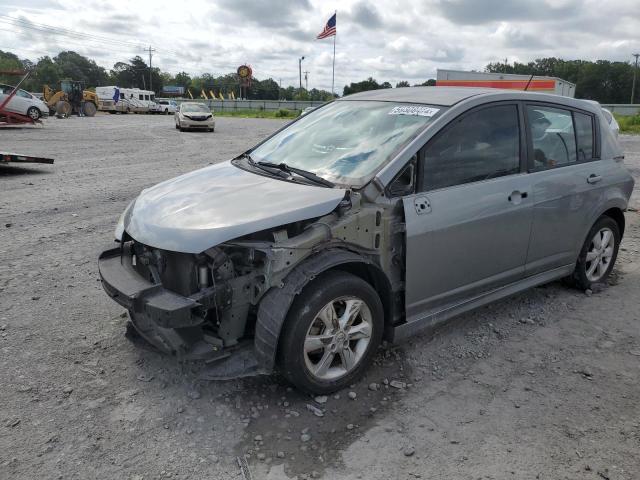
{"points": [[626, 110], [224, 105]]}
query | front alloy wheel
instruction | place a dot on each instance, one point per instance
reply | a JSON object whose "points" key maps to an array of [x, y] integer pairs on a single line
{"points": [[331, 333], [337, 338]]}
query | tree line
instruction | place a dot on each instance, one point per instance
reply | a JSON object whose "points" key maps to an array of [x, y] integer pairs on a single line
{"points": [[601, 80], [135, 74]]}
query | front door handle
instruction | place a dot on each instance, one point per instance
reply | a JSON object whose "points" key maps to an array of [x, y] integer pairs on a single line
{"points": [[593, 178]]}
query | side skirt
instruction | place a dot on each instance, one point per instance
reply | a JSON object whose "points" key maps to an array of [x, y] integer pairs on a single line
{"points": [[431, 320]]}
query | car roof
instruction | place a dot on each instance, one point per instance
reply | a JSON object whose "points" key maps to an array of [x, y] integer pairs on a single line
{"points": [[448, 96], [444, 96]]}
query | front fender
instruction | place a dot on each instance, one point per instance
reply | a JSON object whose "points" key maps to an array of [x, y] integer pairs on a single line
{"points": [[275, 304]]}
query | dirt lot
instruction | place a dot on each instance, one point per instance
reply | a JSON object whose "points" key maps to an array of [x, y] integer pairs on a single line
{"points": [[543, 385]]}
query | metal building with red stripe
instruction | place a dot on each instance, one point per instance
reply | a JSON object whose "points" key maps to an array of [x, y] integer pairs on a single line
{"points": [[457, 78]]}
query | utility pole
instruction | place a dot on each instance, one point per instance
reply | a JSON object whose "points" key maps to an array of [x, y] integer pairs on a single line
{"points": [[300, 70], [306, 81], [635, 73], [150, 50]]}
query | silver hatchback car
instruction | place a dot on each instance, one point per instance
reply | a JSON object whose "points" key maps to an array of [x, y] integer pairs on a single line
{"points": [[375, 216]]}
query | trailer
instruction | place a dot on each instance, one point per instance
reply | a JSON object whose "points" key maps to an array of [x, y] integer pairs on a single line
{"points": [[114, 99], [6, 157], [541, 84]]}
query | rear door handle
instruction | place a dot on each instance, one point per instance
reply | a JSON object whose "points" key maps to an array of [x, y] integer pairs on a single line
{"points": [[517, 196], [593, 178]]}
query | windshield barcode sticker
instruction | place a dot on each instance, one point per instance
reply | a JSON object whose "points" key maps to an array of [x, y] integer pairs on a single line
{"points": [[410, 110]]}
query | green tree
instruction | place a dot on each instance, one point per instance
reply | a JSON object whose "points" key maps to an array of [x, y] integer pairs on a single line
{"points": [[602, 80], [403, 83], [135, 74]]}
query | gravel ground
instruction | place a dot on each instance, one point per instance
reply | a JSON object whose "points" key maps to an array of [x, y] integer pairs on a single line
{"points": [[542, 385]]}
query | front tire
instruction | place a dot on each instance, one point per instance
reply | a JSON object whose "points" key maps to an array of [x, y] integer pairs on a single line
{"points": [[331, 333], [598, 254]]}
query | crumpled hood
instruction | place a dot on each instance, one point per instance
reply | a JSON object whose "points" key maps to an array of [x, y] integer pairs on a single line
{"points": [[204, 208]]}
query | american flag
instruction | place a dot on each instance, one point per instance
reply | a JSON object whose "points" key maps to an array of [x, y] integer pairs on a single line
{"points": [[329, 28]]}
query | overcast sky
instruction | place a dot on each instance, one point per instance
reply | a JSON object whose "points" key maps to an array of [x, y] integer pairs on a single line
{"points": [[390, 41]]}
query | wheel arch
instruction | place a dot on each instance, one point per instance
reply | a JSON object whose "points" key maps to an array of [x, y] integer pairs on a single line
{"points": [[616, 214], [275, 304]]}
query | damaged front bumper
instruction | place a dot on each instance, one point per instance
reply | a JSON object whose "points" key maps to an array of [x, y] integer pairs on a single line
{"points": [[173, 323]]}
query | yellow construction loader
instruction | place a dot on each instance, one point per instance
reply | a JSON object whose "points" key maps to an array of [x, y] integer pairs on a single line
{"points": [[71, 98]]}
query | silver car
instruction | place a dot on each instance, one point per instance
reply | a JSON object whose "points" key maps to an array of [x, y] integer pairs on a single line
{"points": [[374, 217], [194, 115], [24, 103]]}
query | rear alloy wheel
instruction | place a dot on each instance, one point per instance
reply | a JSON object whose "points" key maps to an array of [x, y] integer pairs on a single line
{"points": [[598, 254], [34, 113], [331, 333]]}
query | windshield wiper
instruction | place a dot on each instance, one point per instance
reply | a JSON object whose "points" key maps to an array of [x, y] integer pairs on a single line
{"points": [[270, 171], [298, 171]]}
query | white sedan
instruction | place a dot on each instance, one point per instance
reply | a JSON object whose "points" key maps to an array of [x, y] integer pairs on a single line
{"points": [[23, 103], [194, 115]]}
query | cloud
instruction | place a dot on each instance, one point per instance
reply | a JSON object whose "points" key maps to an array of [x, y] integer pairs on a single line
{"points": [[391, 41], [114, 24], [511, 37], [477, 12], [267, 14], [366, 15]]}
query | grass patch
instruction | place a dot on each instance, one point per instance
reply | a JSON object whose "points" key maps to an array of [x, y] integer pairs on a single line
{"points": [[629, 124], [282, 113]]}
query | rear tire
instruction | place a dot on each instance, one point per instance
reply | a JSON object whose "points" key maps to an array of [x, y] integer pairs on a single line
{"points": [[598, 254], [322, 348]]}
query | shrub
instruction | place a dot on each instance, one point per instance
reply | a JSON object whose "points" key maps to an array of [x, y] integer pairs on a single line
{"points": [[283, 113]]}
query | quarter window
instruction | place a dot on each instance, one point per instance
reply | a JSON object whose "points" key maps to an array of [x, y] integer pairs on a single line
{"points": [[481, 145], [552, 135], [584, 135]]}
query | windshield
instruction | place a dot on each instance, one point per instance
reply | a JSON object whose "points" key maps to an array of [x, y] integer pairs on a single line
{"points": [[347, 142], [195, 107]]}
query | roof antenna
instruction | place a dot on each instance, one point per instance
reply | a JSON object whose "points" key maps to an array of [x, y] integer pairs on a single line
{"points": [[529, 82]]}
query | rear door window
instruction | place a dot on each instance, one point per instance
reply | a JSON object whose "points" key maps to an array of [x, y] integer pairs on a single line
{"points": [[584, 136], [481, 145], [552, 136]]}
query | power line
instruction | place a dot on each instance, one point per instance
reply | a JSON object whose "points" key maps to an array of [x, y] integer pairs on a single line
{"points": [[23, 23]]}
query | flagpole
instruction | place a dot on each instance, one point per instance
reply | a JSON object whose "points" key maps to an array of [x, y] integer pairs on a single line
{"points": [[333, 66]]}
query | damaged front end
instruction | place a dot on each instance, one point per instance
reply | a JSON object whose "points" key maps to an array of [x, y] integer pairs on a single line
{"points": [[206, 306], [194, 306]]}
